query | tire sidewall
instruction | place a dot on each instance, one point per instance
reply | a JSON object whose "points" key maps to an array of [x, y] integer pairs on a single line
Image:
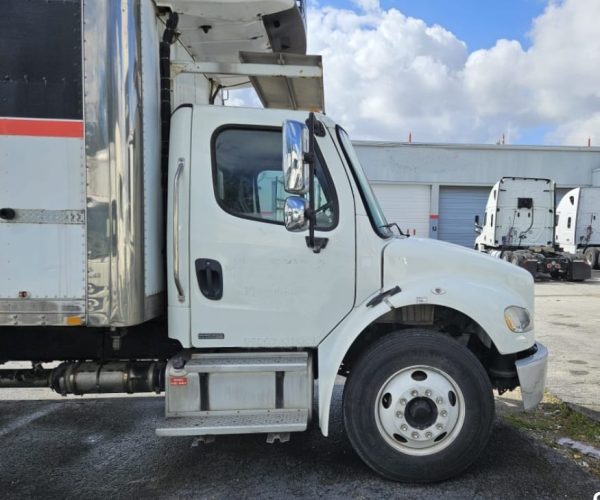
{"points": [[364, 385]]}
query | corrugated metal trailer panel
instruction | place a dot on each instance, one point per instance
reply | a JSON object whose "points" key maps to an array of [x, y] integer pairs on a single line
{"points": [[407, 205], [458, 207]]}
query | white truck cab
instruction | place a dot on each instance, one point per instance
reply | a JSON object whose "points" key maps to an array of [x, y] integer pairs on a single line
{"points": [[249, 268], [578, 223], [233, 259]]}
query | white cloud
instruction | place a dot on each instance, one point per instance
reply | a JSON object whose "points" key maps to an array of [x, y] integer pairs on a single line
{"points": [[387, 74], [376, 64]]}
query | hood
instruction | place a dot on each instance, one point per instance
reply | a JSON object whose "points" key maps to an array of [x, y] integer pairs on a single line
{"points": [[411, 261]]}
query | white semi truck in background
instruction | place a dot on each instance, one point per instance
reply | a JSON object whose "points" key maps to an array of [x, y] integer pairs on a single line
{"points": [[152, 242], [518, 226], [578, 224]]}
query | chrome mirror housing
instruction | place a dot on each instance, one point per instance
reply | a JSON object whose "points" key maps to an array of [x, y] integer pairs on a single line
{"points": [[294, 214], [295, 145]]}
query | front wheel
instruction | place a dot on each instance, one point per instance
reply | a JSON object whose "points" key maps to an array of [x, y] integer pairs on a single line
{"points": [[418, 407]]}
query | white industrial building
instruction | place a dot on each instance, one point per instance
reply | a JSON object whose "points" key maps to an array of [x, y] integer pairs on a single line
{"points": [[435, 190]]}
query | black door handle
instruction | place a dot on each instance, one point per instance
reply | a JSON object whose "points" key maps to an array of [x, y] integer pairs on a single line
{"points": [[210, 278]]}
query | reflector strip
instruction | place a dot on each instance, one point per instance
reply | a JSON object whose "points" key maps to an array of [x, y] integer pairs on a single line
{"points": [[41, 128], [178, 381]]}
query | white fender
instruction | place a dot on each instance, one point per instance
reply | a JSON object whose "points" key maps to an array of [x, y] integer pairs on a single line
{"points": [[482, 303]]}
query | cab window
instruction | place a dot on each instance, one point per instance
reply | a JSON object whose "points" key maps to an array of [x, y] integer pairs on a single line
{"points": [[249, 180]]}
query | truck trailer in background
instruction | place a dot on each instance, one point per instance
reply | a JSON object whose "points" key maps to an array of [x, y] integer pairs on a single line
{"points": [[578, 224], [518, 226], [153, 240]]}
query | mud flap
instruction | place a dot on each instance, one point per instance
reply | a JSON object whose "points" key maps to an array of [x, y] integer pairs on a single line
{"points": [[530, 265]]}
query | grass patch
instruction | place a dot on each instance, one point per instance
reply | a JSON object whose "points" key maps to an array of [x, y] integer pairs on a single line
{"points": [[552, 420]]}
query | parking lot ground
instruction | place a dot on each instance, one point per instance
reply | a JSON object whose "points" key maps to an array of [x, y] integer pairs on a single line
{"points": [[99, 447], [567, 321], [106, 448]]}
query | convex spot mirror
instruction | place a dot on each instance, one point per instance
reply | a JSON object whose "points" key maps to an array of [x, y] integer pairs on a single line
{"points": [[294, 214], [295, 145]]}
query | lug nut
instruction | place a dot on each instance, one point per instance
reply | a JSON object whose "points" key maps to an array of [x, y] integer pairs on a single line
{"points": [[414, 394], [403, 401], [404, 427], [439, 401], [444, 413], [439, 427], [415, 435], [428, 435], [399, 414], [428, 393]]}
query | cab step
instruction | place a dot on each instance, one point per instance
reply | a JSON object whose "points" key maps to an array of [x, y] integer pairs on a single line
{"points": [[266, 421], [247, 363]]}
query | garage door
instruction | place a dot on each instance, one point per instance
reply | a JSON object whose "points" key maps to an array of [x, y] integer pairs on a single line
{"points": [[407, 205], [458, 207]]}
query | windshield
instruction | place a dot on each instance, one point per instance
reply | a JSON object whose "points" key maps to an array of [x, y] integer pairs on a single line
{"points": [[376, 216]]}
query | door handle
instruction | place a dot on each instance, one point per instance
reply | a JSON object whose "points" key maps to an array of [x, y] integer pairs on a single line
{"points": [[176, 180], [210, 278]]}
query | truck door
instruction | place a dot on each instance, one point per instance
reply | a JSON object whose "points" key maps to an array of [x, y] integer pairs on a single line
{"points": [[253, 283]]}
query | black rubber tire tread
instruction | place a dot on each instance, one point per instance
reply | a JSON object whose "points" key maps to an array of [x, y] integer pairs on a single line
{"points": [[591, 257], [380, 361]]}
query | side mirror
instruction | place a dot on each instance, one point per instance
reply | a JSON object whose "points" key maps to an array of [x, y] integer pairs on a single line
{"points": [[294, 214], [478, 226], [295, 145]]}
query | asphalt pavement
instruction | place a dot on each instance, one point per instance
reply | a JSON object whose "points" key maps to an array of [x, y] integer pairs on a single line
{"points": [[106, 448]]}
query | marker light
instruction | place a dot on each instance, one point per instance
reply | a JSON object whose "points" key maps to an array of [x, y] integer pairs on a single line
{"points": [[518, 319]]}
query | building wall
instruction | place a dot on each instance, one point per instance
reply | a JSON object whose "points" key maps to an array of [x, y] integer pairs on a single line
{"points": [[458, 174]]}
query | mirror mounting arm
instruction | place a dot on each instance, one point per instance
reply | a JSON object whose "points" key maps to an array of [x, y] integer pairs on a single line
{"points": [[310, 159]]}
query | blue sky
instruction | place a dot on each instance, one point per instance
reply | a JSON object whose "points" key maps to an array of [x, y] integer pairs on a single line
{"points": [[479, 23], [461, 70]]}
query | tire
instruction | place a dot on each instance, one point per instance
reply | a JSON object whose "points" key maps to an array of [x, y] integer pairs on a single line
{"points": [[591, 257], [452, 412], [507, 256]]}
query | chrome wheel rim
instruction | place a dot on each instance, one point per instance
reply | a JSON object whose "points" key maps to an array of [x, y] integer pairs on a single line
{"points": [[420, 410]]}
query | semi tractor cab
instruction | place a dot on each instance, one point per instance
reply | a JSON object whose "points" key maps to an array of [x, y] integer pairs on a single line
{"points": [[233, 259], [518, 227], [578, 224]]}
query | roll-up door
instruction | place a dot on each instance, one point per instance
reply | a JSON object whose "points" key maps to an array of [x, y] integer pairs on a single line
{"points": [[407, 205], [458, 207]]}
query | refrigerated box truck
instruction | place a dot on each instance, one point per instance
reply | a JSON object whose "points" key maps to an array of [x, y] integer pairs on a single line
{"points": [[153, 240]]}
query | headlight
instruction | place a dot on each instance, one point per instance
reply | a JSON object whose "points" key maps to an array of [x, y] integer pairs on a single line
{"points": [[518, 319]]}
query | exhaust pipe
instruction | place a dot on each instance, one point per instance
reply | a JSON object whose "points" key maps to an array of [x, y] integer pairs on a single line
{"points": [[91, 377]]}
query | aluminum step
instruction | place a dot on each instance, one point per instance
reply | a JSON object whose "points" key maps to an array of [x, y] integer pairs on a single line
{"points": [[250, 422], [247, 362]]}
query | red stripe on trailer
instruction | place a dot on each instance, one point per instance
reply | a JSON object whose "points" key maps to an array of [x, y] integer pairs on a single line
{"points": [[433, 216], [41, 128]]}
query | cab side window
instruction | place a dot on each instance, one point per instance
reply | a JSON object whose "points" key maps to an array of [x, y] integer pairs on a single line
{"points": [[249, 180]]}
